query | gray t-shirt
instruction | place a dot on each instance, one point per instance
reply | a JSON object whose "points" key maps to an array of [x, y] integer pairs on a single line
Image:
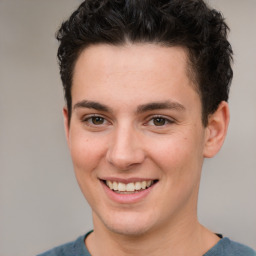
{"points": [[225, 247]]}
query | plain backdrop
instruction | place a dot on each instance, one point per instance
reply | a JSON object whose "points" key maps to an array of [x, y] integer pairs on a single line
{"points": [[40, 203]]}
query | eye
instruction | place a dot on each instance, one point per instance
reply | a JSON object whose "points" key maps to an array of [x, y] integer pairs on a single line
{"points": [[95, 120], [159, 121]]}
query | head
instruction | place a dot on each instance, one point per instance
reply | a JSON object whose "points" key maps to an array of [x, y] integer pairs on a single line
{"points": [[145, 84], [201, 31]]}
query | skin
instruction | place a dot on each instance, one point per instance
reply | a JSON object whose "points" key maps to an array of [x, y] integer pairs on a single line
{"points": [[136, 115]]}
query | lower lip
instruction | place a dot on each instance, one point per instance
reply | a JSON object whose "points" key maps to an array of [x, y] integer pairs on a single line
{"points": [[127, 198]]}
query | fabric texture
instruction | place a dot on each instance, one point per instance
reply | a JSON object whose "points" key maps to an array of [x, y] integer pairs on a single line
{"points": [[76, 248], [225, 247]]}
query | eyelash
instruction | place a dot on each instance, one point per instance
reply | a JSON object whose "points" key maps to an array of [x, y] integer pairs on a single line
{"points": [[150, 122], [89, 120], [162, 118]]}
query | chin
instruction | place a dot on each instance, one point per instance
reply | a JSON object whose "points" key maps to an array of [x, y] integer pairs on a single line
{"points": [[128, 224], [129, 230]]}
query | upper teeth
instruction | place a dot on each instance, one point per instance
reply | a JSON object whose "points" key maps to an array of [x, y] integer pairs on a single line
{"points": [[130, 187]]}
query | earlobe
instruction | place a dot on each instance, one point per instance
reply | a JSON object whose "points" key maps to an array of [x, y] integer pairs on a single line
{"points": [[66, 123], [216, 130]]}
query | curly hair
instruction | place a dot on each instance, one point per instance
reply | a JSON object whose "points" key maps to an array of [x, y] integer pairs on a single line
{"points": [[202, 31]]}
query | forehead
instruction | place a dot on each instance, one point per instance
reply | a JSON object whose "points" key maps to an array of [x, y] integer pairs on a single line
{"points": [[131, 68], [104, 56]]}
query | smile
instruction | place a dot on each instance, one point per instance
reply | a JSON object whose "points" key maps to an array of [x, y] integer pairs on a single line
{"points": [[131, 187]]}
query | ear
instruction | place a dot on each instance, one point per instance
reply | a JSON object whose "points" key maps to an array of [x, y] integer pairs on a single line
{"points": [[66, 123], [216, 130]]}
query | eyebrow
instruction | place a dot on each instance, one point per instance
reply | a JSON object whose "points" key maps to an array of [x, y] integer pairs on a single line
{"points": [[140, 109], [91, 104], [160, 105]]}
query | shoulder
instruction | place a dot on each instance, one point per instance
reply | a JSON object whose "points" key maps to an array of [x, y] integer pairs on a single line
{"points": [[227, 247], [76, 247]]}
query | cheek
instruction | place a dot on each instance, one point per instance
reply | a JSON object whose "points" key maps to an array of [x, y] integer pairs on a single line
{"points": [[86, 156], [86, 153], [180, 155], [180, 162]]}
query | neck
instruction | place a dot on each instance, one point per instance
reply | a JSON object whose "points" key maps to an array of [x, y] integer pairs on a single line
{"points": [[185, 237]]}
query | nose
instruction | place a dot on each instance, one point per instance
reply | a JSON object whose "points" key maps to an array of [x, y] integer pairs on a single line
{"points": [[125, 149]]}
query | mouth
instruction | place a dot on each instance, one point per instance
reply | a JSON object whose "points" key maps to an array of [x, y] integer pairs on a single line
{"points": [[129, 188]]}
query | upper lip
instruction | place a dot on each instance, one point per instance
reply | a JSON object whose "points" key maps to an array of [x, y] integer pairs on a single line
{"points": [[126, 180]]}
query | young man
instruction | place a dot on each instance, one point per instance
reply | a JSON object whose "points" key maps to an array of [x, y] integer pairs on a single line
{"points": [[146, 85]]}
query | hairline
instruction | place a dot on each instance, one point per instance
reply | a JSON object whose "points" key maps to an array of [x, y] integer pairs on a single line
{"points": [[191, 72]]}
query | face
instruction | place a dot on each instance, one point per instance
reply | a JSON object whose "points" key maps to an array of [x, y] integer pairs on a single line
{"points": [[136, 136]]}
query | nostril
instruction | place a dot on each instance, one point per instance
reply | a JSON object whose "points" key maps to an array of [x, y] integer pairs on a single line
{"points": [[125, 149], [124, 162], [125, 159]]}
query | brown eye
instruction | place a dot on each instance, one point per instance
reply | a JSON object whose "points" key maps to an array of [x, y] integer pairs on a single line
{"points": [[159, 121], [97, 120]]}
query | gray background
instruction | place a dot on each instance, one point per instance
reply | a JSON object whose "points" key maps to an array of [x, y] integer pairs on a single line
{"points": [[40, 203]]}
